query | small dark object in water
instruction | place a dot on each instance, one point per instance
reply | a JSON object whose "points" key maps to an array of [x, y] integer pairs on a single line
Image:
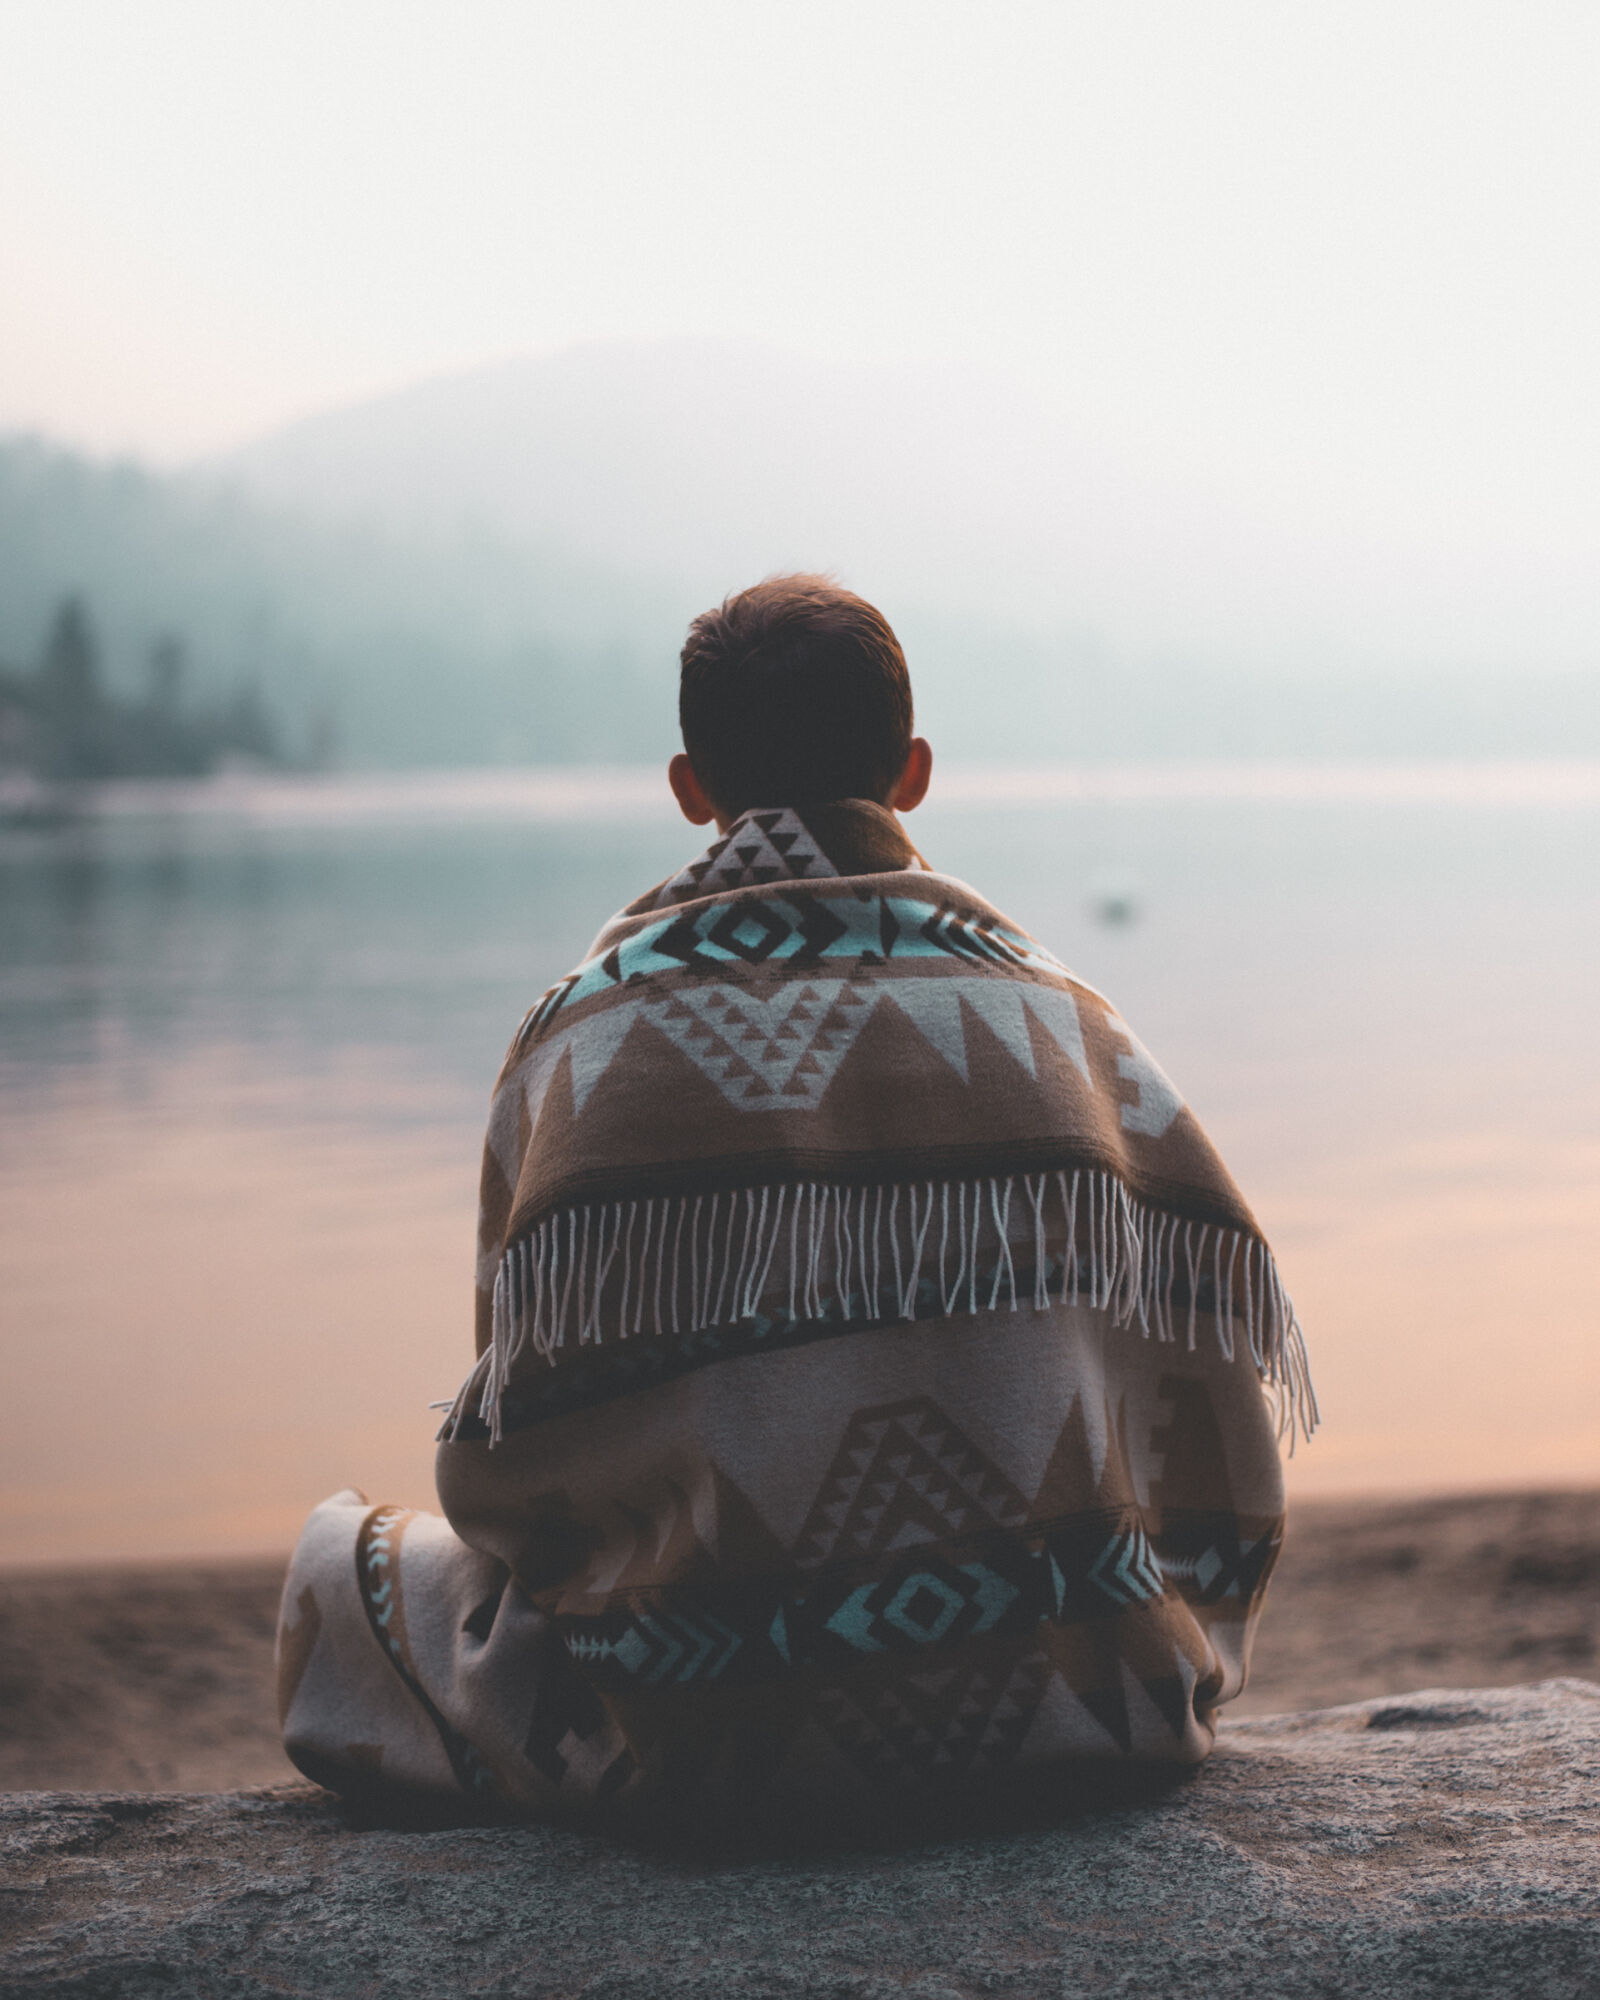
{"points": [[1115, 907]]}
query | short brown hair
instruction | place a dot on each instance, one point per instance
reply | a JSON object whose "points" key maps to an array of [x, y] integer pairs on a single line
{"points": [[794, 690]]}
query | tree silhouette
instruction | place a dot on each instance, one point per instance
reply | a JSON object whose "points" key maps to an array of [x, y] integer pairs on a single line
{"points": [[246, 728], [76, 739], [60, 722], [69, 673], [165, 666]]}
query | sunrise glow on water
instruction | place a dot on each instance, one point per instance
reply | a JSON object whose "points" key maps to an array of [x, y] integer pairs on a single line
{"points": [[248, 1030]]}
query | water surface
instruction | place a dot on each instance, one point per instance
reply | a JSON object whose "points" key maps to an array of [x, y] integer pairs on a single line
{"points": [[247, 1036]]}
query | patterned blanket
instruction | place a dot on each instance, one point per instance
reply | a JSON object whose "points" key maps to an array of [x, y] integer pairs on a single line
{"points": [[879, 1381]]}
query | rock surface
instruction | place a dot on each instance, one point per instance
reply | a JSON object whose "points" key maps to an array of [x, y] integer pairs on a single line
{"points": [[1439, 1844]]}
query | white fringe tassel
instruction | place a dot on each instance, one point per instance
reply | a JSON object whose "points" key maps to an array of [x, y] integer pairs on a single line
{"points": [[676, 1264]]}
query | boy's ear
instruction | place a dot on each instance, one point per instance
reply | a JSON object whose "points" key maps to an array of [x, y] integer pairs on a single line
{"points": [[912, 788], [693, 800]]}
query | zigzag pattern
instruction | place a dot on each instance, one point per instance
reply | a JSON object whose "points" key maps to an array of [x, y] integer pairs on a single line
{"points": [[993, 1584], [758, 1049], [759, 848], [1126, 1568], [798, 927]]}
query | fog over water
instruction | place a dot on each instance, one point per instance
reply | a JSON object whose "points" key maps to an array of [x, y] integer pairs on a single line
{"points": [[245, 1057]]}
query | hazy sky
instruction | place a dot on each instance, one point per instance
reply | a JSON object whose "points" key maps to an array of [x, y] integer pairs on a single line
{"points": [[1338, 262]]}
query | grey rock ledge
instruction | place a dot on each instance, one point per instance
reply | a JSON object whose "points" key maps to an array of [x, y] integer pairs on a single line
{"points": [[1443, 1843]]}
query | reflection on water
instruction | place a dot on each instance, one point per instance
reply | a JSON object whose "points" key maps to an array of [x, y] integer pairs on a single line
{"points": [[244, 1056], [127, 942]]}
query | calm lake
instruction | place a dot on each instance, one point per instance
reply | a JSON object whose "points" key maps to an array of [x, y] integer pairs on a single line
{"points": [[248, 1030]]}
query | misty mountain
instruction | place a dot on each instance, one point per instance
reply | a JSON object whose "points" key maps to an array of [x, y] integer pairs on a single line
{"points": [[711, 464], [499, 566], [943, 495]]}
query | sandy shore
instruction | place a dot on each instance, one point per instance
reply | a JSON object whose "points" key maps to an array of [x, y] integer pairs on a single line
{"points": [[161, 1678]]}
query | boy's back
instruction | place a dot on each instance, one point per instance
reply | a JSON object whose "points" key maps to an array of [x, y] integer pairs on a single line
{"points": [[870, 1398]]}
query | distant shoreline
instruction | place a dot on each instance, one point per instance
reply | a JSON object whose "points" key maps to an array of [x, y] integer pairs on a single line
{"points": [[581, 791]]}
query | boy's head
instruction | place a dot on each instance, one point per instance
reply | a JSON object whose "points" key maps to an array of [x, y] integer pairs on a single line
{"points": [[792, 692]]}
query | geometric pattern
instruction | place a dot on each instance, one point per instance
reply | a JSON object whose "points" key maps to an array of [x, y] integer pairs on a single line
{"points": [[1206, 1550], [1204, 1557], [761, 847], [789, 1043], [1156, 1103], [937, 1007], [915, 1546], [1126, 1568], [819, 996], [932, 1620], [574, 1736], [755, 1049], [960, 1720], [987, 1583], [781, 1045], [795, 928], [378, 1583], [786, 1043], [904, 1474]]}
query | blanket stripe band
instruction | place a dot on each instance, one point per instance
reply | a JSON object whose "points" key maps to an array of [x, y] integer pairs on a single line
{"points": [[885, 1253]]}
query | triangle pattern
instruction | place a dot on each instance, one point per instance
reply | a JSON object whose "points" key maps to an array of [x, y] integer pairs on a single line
{"points": [[1171, 1697], [594, 1042], [1056, 1012], [540, 1070], [998, 1004], [934, 1009], [1109, 1707], [1004, 1006], [764, 845], [960, 1724], [755, 1049], [907, 1492]]}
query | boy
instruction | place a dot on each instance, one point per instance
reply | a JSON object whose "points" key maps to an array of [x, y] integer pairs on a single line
{"points": [[871, 1405]]}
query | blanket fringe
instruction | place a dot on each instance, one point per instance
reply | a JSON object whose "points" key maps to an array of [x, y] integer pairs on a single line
{"points": [[818, 1251]]}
